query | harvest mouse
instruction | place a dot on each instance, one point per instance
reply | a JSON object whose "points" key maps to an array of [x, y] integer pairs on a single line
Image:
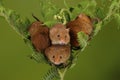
{"points": [[58, 54], [39, 34], [81, 23], [59, 34]]}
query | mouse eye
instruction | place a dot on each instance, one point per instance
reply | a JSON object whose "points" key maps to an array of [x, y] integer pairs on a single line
{"points": [[53, 56], [58, 35], [60, 57]]}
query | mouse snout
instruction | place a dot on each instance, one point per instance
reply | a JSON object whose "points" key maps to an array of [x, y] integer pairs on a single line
{"points": [[57, 61], [62, 41]]}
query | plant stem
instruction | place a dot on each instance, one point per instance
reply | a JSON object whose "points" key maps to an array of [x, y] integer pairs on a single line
{"points": [[62, 73]]}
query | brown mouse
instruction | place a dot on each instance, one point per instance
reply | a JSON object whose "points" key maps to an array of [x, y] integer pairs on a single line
{"points": [[39, 34], [58, 54], [59, 34], [81, 23]]}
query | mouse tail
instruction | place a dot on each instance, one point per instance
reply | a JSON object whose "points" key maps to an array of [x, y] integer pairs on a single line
{"points": [[35, 17]]}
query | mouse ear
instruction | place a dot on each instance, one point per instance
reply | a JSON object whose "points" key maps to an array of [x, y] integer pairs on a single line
{"points": [[53, 30], [47, 51], [68, 29]]}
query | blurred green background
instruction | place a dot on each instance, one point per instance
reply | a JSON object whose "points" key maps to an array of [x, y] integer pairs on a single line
{"points": [[99, 61]]}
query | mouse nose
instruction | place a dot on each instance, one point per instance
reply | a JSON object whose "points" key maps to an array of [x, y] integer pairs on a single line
{"points": [[57, 61], [62, 41]]}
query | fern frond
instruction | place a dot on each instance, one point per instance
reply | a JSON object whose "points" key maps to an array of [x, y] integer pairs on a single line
{"points": [[52, 74], [48, 10], [37, 56], [113, 12], [82, 39], [21, 27], [14, 19]]}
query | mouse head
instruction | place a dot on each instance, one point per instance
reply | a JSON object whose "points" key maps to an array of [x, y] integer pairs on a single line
{"points": [[59, 34], [84, 17], [34, 27], [58, 54]]}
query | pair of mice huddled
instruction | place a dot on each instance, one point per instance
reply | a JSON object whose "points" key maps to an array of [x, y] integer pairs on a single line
{"points": [[56, 42]]}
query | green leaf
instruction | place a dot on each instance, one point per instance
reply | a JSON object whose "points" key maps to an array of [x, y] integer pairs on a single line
{"points": [[18, 24], [63, 16], [21, 27], [117, 17], [82, 39], [37, 56], [48, 10], [52, 74], [100, 13], [75, 11], [87, 7], [97, 28], [113, 9]]}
